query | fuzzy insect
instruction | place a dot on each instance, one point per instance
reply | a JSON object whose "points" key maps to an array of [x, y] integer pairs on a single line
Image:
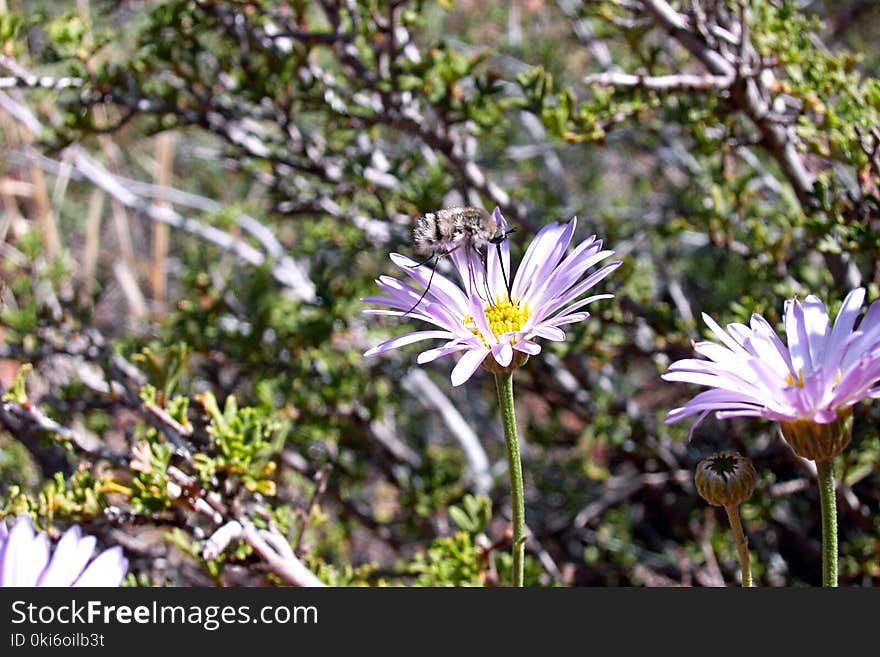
{"points": [[445, 230], [442, 232]]}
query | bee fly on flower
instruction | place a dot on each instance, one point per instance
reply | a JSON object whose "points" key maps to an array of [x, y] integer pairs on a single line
{"points": [[448, 229], [442, 232]]}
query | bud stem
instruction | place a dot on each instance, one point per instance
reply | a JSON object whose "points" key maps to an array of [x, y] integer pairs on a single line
{"points": [[504, 383], [828, 503], [742, 543]]}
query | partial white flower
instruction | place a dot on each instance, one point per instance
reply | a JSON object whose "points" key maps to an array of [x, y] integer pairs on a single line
{"points": [[26, 559]]}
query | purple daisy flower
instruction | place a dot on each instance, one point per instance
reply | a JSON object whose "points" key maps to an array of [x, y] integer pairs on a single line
{"points": [[822, 372], [478, 316], [26, 559]]}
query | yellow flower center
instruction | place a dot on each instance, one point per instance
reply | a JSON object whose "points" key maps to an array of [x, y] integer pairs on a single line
{"points": [[504, 315], [800, 380]]}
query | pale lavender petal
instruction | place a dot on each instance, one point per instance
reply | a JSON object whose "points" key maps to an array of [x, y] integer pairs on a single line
{"points": [[720, 354], [25, 554], [549, 332], [761, 329], [527, 347], [441, 288], [561, 280], [70, 557], [843, 326], [404, 296], [717, 398], [470, 269], [498, 269], [676, 414], [108, 569], [550, 306], [809, 395], [467, 365], [585, 302], [407, 338], [433, 354], [545, 248], [562, 320], [558, 244], [704, 379], [817, 327], [739, 332], [825, 416], [583, 252], [836, 350], [854, 380], [745, 412], [869, 330], [478, 313], [798, 342], [376, 312], [503, 353], [500, 220], [744, 373], [720, 333], [765, 351]]}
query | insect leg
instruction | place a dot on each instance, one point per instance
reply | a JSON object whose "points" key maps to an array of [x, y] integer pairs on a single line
{"points": [[497, 241], [508, 283], [486, 287], [428, 286]]}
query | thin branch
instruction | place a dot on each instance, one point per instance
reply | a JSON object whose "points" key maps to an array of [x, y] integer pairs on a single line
{"points": [[286, 271], [25, 419], [23, 78], [745, 95], [672, 82], [270, 545]]}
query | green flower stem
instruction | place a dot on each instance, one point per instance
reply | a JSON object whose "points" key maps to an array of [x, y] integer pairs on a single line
{"points": [[742, 543], [504, 383], [828, 503]]}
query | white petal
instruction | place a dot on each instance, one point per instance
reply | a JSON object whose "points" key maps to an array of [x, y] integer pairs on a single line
{"points": [[503, 353], [732, 344], [817, 327], [108, 569], [762, 329], [767, 352], [544, 252], [548, 332], [568, 318], [527, 347], [478, 313], [25, 554], [798, 341], [586, 301], [843, 326], [406, 339], [433, 354], [467, 365], [71, 555]]}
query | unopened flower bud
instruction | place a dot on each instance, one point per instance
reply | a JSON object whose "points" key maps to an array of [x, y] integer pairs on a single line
{"points": [[819, 442], [725, 478]]}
